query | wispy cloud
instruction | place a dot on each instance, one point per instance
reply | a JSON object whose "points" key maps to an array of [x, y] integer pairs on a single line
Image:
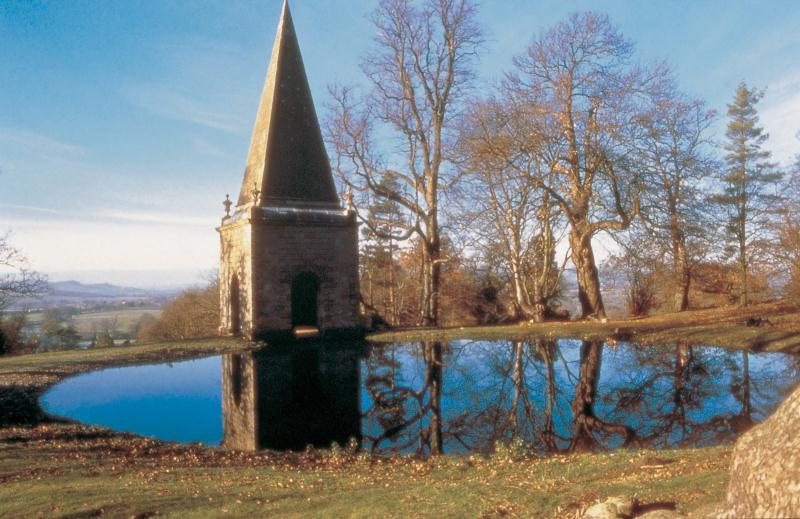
{"points": [[780, 115], [29, 141], [30, 208], [165, 102], [206, 147], [157, 218]]}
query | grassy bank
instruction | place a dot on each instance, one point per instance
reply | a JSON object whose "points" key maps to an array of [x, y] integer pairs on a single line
{"points": [[778, 329], [55, 469], [71, 471]]}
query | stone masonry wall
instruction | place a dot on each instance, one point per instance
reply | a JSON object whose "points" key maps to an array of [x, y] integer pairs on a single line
{"points": [[284, 249], [235, 244], [239, 404]]}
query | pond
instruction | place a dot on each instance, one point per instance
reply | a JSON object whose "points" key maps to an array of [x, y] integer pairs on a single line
{"points": [[459, 397]]}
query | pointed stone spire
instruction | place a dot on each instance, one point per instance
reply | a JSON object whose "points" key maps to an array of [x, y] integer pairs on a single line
{"points": [[287, 162]]}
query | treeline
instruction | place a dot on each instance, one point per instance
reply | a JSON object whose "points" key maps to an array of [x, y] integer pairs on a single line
{"points": [[475, 203]]}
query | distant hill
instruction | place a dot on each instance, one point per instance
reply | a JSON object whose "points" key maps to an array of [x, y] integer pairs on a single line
{"points": [[96, 290], [93, 296]]}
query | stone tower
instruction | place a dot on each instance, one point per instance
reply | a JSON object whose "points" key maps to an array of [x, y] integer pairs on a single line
{"points": [[289, 256]]}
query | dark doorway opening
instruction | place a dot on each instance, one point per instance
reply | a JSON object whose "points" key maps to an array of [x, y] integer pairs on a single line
{"points": [[234, 307], [305, 291]]}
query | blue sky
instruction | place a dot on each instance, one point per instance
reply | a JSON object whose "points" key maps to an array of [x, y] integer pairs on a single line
{"points": [[124, 123]]}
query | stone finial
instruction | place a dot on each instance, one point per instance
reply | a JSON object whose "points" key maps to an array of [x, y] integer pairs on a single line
{"points": [[227, 204], [348, 200]]}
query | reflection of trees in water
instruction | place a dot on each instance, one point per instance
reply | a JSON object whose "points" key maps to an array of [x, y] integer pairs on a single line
{"points": [[407, 418], [685, 395], [555, 400], [538, 418], [586, 423], [663, 388]]}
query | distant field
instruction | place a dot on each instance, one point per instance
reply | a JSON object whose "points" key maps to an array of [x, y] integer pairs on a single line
{"points": [[84, 323], [123, 319]]}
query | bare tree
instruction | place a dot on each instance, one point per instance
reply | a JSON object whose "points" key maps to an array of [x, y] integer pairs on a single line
{"points": [[788, 245], [636, 265], [507, 214], [577, 81], [676, 152], [17, 279], [418, 73]]}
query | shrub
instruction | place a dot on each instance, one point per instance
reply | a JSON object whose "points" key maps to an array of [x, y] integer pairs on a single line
{"points": [[192, 315]]}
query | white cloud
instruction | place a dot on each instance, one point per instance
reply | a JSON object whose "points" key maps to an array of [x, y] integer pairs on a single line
{"points": [[158, 218], [780, 116], [166, 102], [100, 246]]}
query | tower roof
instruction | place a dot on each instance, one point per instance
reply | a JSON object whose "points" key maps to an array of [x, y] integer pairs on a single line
{"points": [[287, 162]]}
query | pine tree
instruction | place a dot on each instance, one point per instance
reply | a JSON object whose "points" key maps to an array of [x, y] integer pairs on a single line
{"points": [[379, 269], [749, 194]]}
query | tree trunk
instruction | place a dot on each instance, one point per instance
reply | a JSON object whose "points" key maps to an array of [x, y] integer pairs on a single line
{"points": [[746, 404], [744, 420], [680, 271], [393, 314], [743, 296], [583, 405], [519, 385], [433, 365], [548, 350], [580, 239], [585, 393], [525, 309], [431, 282], [742, 237]]}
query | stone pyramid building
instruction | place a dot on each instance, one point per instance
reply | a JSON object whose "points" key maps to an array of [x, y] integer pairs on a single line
{"points": [[289, 257]]}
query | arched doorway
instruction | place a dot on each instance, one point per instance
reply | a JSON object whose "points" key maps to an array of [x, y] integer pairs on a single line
{"points": [[234, 302], [305, 291]]}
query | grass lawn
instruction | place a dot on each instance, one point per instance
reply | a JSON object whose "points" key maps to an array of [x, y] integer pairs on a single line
{"points": [[54, 469], [72, 471]]}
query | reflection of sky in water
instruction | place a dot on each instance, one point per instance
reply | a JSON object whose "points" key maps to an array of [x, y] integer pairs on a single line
{"points": [[179, 401], [182, 401]]}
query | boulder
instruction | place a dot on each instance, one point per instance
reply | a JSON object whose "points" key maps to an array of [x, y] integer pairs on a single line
{"points": [[661, 514], [611, 508], [765, 468]]}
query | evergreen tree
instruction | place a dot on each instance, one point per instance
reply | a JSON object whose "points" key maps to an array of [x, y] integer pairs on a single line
{"points": [[379, 269], [749, 185]]}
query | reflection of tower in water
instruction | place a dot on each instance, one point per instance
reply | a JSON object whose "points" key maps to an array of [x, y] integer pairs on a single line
{"points": [[288, 396]]}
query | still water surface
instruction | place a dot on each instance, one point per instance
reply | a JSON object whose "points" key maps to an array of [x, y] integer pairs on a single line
{"points": [[463, 395]]}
